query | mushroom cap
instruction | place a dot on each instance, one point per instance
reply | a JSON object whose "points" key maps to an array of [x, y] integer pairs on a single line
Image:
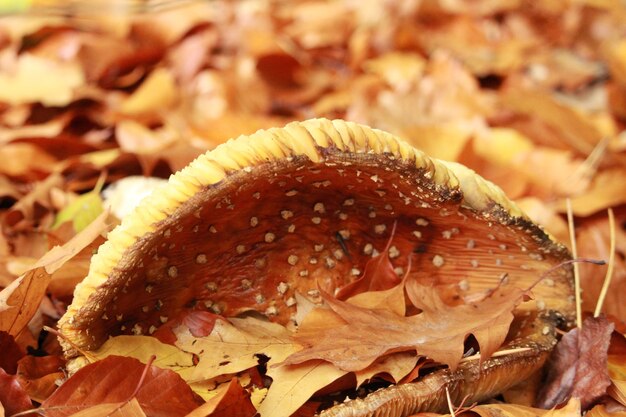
{"points": [[294, 209]]}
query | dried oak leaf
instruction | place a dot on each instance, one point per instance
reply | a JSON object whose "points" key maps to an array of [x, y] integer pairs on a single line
{"points": [[578, 368], [13, 397], [438, 332], [113, 379]]}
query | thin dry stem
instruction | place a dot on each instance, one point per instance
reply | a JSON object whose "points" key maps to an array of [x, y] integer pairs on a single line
{"points": [[496, 354], [450, 405], [572, 236], [609, 269], [85, 353]]}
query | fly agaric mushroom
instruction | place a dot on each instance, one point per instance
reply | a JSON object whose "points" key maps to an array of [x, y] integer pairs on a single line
{"points": [[261, 217]]}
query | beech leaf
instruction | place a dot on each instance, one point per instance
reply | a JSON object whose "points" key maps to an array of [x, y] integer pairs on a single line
{"points": [[124, 409], [112, 380], [578, 365], [12, 395], [233, 346], [231, 400], [143, 348], [293, 385]]}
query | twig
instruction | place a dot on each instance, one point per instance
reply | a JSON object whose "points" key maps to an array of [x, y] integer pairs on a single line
{"points": [[609, 270], [57, 333], [572, 237], [496, 354], [450, 405]]}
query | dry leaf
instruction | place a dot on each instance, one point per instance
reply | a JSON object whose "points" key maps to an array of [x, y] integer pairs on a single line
{"points": [[20, 300], [234, 346], [124, 409], [11, 353], [438, 332], [156, 93], [293, 385], [39, 375], [36, 79], [231, 400], [571, 409], [578, 366], [113, 380], [13, 397], [143, 348], [378, 275]]}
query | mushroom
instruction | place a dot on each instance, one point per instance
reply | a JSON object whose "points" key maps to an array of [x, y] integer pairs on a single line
{"points": [[261, 217]]}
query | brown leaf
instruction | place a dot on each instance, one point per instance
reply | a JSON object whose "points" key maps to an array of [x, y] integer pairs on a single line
{"points": [[124, 409], [11, 353], [578, 366], [113, 380], [438, 332], [231, 401], [13, 397], [293, 385], [378, 275], [20, 300], [39, 374]]}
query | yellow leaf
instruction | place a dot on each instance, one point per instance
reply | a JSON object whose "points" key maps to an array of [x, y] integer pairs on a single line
{"points": [[157, 92], [38, 79], [234, 347], [81, 212], [142, 348], [292, 386]]}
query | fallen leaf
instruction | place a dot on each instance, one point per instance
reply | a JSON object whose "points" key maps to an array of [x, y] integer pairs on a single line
{"points": [[82, 211], [395, 367], [11, 353], [571, 409], [234, 346], [293, 385], [199, 323], [130, 408], [20, 300], [36, 79], [13, 397], [616, 364], [578, 365], [113, 380], [438, 332], [378, 274], [232, 401], [39, 375], [601, 411], [143, 348], [593, 241], [156, 93]]}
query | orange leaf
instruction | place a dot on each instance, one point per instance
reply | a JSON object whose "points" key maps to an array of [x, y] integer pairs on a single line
{"points": [[113, 380], [232, 401]]}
